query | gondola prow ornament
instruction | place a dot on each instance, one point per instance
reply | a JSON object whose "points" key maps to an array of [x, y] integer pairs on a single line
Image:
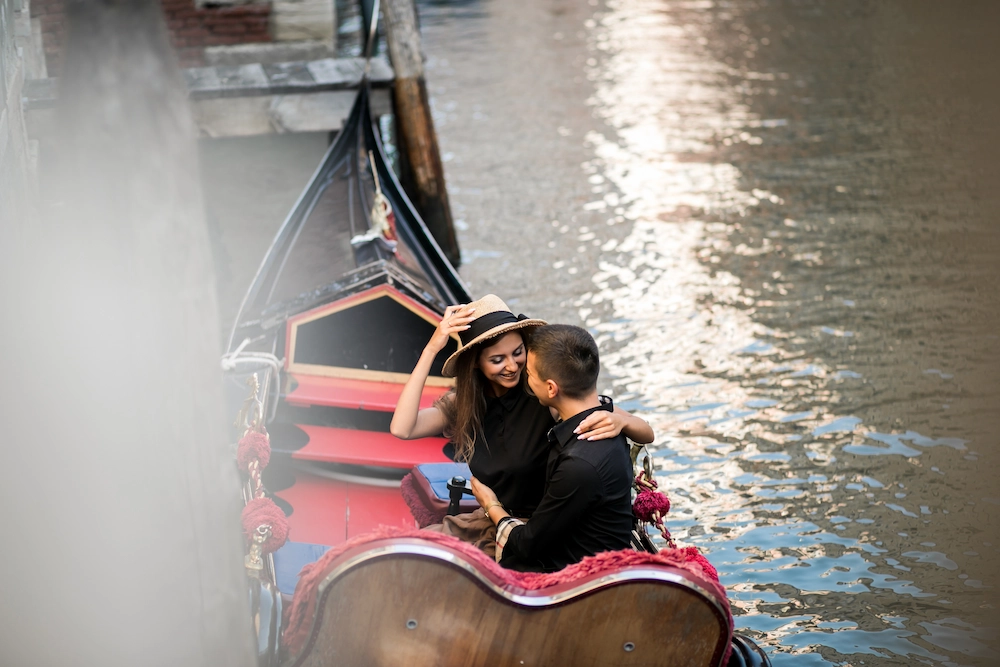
{"points": [[380, 241], [382, 217], [264, 524]]}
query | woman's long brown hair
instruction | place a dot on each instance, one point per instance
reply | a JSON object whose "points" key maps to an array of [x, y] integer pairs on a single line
{"points": [[463, 407]]}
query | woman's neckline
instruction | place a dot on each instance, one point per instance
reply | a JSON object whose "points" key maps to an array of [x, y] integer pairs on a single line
{"points": [[492, 391]]}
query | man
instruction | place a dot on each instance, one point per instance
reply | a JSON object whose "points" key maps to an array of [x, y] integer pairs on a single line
{"points": [[587, 504]]}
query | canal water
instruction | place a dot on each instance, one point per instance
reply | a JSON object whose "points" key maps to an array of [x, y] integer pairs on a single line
{"points": [[780, 220]]}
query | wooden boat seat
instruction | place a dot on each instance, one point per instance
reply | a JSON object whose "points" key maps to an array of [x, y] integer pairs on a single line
{"points": [[336, 392], [406, 597], [355, 447]]}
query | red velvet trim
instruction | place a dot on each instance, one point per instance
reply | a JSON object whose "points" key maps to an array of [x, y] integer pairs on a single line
{"points": [[300, 612], [424, 515]]}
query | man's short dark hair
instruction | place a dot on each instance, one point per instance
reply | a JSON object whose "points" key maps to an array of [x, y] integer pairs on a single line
{"points": [[568, 355]]}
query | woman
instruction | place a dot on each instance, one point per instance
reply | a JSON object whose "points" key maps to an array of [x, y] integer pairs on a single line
{"points": [[494, 425]]}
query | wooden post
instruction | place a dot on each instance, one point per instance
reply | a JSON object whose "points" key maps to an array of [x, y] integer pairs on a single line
{"points": [[122, 541], [416, 127]]}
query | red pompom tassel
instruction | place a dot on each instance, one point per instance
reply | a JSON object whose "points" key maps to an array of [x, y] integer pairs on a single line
{"points": [[650, 502], [255, 445], [263, 512]]}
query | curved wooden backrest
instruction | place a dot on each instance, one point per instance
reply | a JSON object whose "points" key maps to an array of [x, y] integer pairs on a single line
{"points": [[412, 602]]}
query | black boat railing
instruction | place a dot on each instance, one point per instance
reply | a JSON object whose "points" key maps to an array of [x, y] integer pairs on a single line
{"points": [[359, 136]]}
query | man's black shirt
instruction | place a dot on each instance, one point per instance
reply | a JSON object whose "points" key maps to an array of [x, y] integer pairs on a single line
{"points": [[587, 506], [511, 452]]}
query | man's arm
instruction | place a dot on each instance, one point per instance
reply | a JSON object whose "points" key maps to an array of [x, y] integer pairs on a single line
{"points": [[570, 493]]}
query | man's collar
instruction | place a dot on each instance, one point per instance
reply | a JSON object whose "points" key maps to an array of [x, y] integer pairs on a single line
{"points": [[561, 435]]}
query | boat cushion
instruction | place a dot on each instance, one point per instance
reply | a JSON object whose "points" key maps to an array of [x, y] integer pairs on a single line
{"points": [[289, 561], [436, 477], [425, 491]]}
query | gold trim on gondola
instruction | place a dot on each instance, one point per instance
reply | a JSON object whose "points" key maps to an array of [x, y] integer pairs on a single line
{"points": [[383, 291]]}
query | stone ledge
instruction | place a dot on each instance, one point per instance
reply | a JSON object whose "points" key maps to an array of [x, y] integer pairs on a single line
{"points": [[253, 80]]}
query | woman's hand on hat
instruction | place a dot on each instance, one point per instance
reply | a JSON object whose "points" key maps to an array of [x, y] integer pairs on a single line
{"points": [[455, 319], [600, 425]]}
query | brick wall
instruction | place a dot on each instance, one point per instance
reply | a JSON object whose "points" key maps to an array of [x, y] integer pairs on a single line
{"points": [[191, 28], [50, 15]]}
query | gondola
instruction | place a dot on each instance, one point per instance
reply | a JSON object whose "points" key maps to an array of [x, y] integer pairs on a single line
{"points": [[336, 317]]}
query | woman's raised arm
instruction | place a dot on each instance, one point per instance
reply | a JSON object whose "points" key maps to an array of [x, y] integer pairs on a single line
{"points": [[601, 425], [409, 421]]}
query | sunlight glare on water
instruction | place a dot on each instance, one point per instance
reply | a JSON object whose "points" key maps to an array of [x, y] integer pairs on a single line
{"points": [[776, 217], [809, 547]]}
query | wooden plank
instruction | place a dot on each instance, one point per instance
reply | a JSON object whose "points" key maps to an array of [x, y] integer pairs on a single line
{"points": [[356, 394], [319, 509], [372, 506], [368, 448], [328, 511]]}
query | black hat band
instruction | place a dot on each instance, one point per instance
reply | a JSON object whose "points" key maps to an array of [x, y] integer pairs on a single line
{"points": [[489, 321]]}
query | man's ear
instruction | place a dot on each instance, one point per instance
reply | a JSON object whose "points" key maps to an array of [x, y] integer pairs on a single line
{"points": [[552, 388]]}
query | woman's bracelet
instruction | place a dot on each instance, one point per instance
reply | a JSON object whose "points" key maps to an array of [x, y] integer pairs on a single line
{"points": [[491, 506]]}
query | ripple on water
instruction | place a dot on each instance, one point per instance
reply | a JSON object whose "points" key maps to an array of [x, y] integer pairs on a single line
{"points": [[773, 459], [785, 259]]}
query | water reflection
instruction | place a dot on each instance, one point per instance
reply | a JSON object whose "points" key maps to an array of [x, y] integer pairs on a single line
{"points": [[777, 223], [732, 307]]}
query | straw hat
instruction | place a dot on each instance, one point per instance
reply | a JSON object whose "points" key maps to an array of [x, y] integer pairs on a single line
{"points": [[495, 319]]}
